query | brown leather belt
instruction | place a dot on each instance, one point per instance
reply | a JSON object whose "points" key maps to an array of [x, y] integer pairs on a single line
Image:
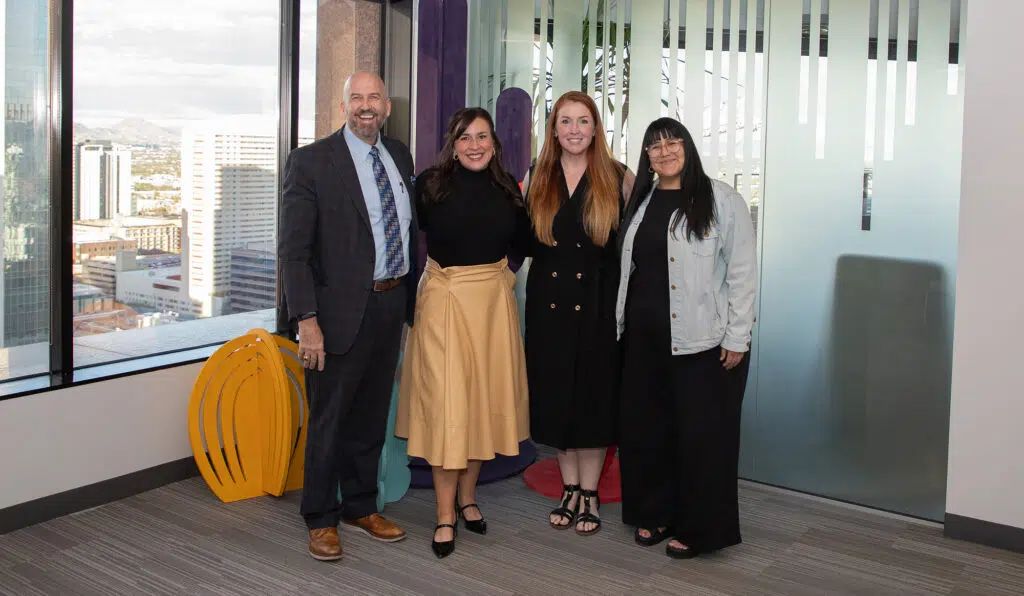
{"points": [[383, 285]]}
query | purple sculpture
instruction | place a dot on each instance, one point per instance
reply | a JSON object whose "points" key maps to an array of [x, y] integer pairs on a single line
{"points": [[514, 119], [440, 74]]}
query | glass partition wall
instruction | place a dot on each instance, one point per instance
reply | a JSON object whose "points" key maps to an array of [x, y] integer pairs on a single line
{"points": [[840, 122]]}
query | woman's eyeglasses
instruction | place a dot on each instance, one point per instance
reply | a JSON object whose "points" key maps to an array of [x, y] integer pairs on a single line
{"points": [[672, 146]]}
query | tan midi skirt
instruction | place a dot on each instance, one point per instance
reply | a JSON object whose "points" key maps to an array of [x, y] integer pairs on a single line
{"points": [[463, 393]]}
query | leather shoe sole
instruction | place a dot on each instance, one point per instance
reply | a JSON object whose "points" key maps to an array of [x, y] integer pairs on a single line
{"points": [[320, 557], [372, 535]]}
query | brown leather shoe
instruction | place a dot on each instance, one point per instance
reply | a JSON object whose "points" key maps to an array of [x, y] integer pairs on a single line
{"points": [[378, 528], [324, 544]]}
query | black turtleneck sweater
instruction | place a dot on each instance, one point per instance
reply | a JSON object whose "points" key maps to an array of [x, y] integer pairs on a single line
{"points": [[476, 224]]}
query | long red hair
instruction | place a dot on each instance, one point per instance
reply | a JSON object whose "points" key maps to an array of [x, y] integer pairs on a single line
{"points": [[601, 200]]}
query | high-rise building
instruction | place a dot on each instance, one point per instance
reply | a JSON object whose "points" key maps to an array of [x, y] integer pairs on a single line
{"points": [[229, 199], [103, 181], [25, 175], [253, 277]]}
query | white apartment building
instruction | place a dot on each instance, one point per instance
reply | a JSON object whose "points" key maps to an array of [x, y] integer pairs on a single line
{"points": [[229, 199]]}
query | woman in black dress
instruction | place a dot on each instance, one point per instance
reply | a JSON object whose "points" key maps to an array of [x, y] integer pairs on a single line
{"points": [[463, 396], [575, 198], [685, 310]]}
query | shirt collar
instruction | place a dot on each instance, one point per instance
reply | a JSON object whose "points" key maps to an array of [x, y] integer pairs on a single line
{"points": [[360, 149]]}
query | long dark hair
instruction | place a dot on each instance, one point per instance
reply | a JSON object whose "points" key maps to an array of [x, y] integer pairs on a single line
{"points": [[697, 203], [439, 185]]}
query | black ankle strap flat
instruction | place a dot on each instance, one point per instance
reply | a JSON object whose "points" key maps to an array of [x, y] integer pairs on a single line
{"points": [[587, 498], [563, 511]]}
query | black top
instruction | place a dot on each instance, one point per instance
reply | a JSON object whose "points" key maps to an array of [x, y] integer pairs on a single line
{"points": [[647, 305], [477, 223]]}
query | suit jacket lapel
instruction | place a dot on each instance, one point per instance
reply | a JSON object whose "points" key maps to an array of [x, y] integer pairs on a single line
{"points": [[342, 159]]}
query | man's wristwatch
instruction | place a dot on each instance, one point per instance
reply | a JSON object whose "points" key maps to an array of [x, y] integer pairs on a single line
{"points": [[303, 317]]}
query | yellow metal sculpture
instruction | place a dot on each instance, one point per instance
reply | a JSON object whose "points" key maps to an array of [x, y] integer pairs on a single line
{"points": [[247, 418]]}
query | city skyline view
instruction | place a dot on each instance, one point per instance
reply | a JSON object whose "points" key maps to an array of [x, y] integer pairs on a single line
{"points": [[175, 176]]}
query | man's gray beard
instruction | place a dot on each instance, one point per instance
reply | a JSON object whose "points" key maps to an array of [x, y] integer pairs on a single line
{"points": [[371, 129]]}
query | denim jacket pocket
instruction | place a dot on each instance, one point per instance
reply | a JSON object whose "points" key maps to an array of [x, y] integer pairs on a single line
{"points": [[708, 245]]}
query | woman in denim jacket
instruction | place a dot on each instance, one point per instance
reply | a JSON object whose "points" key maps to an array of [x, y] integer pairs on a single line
{"points": [[685, 309]]}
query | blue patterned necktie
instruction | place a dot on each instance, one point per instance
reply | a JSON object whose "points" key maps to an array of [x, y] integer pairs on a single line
{"points": [[395, 256]]}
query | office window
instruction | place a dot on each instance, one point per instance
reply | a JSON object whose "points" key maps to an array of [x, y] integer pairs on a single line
{"points": [[25, 176], [175, 173]]}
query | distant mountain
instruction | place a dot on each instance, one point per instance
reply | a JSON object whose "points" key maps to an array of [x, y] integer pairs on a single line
{"points": [[132, 131]]}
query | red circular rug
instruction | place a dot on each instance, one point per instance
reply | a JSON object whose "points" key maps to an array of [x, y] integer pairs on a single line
{"points": [[543, 477]]}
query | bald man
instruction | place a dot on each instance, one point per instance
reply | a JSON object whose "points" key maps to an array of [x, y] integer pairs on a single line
{"points": [[347, 248]]}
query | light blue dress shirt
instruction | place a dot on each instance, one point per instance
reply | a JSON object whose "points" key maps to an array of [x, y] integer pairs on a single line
{"points": [[368, 182]]}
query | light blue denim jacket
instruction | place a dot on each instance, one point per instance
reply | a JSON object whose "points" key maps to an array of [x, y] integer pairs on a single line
{"points": [[713, 281]]}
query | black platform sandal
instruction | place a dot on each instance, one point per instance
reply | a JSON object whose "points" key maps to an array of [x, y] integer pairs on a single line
{"points": [[563, 511], [478, 526], [443, 549], [680, 553], [585, 516], [655, 537]]}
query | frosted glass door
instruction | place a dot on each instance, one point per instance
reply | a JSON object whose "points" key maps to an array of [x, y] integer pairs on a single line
{"points": [[858, 254]]}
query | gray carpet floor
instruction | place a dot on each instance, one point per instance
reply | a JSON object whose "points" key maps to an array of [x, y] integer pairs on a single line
{"points": [[180, 540]]}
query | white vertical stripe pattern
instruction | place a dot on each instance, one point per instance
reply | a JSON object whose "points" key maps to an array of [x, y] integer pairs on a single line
{"points": [[500, 25], [813, 53], [910, 113], [567, 47], [620, 53], [960, 46], [647, 28], [712, 166], [821, 89], [540, 97], [714, 92], [881, 72], [693, 97], [902, 39], [749, 98], [590, 13], [606, 21], [672, 109], [734, 89]]}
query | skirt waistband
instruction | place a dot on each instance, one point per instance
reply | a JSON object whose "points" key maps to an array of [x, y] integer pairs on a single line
{"points": [[459, 272]]}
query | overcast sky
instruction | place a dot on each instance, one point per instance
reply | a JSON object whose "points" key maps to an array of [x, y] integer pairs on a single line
{"points": [[171, 61]]}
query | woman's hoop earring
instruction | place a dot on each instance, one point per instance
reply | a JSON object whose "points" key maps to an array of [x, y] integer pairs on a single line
{"points": [[455, 156], [650, 169]]}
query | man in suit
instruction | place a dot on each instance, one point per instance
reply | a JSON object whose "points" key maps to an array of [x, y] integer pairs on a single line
{"points": [[348, 252]]}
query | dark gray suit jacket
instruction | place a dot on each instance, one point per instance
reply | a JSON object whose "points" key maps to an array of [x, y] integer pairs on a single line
{"points": [[325, 243]]}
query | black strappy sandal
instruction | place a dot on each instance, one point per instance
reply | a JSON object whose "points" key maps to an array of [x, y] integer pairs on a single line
{"points": [[655, 537], [443, 549], [563, 511], [585, 516], [478, 526]]}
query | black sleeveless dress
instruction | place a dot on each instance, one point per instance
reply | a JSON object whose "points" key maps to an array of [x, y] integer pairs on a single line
{"points": [[572, 356]]}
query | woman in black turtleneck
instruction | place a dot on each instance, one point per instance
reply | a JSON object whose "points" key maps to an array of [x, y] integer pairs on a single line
{"points": [[463, 396]]}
